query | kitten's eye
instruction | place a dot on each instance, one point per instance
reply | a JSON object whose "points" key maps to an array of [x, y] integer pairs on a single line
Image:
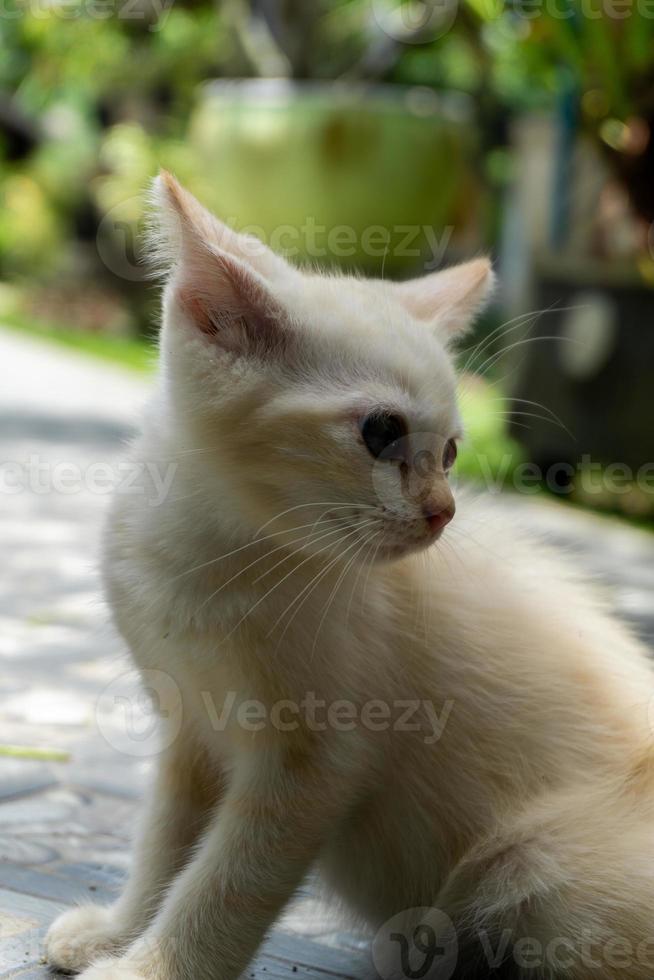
{"points": [[449, 454], [381, 429]]}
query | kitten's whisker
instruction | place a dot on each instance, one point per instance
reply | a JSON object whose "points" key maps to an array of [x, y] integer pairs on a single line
{"points": [[319, 503], [534, 404], [486, 342], [282, 547], [312, 583], [512, 413], [513, 324], [189, 452], [383, 266], [500, 381], [308, 589], [494, 358], [250, 544], [334, 530], [282, 580], [332, 594], [374, 557], [287, 545], [519, 321], [521, 425], [526, 401], [528, 324], [475, 348], [364, 565], [552, 419]]}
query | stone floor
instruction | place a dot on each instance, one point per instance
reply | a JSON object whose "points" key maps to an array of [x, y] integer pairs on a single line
{"points": [[66, 810]]}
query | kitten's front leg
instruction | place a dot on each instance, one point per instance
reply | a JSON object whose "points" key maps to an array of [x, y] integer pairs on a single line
{"points": [[271, 827], [182, 796]]}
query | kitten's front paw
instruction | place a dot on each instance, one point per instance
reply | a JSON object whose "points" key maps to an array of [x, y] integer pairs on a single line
{"points": [[116, 969], [80, 936]]}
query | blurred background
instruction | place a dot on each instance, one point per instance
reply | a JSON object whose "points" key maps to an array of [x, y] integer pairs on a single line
{"points": [[391, 137]]}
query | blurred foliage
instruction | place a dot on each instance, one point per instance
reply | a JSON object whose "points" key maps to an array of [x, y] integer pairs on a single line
{"points": [[134, 353], [96, 95]]}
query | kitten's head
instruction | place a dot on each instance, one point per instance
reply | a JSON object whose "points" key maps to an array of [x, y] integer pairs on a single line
{"points": [[322, 407]]}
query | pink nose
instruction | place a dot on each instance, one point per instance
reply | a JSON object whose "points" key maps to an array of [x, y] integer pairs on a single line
{"points": [[438, 520]]}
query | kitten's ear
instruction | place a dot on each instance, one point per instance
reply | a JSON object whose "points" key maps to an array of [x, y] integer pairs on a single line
{"points": [[449, 299], [221, 280]]}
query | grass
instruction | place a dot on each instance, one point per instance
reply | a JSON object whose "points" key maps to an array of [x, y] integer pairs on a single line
{"points": [[35, 753], [132, 353]]}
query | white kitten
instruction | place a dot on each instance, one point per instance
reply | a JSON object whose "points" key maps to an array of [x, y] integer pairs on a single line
{"points": [[459, 727]]}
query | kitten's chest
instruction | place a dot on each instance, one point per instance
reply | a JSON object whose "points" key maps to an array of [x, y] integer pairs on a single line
{"points": [[237, 655], [271, 624], [240, 652]]}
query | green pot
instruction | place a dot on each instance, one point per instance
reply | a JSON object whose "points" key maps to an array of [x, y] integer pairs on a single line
{"points": [[346, 175]]}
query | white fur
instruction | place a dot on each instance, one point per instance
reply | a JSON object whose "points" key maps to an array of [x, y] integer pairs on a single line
{"points": [[529, 808]]}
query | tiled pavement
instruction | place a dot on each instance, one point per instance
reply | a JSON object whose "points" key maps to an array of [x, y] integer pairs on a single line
{"points": [[65, 821]]}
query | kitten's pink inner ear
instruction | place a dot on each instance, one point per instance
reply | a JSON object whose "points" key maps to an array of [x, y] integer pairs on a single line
{"points": [[230, 303], [219, 292], [449, 299]]}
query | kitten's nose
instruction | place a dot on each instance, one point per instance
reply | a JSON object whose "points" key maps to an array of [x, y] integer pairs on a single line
{"points": [[437, 519]]}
